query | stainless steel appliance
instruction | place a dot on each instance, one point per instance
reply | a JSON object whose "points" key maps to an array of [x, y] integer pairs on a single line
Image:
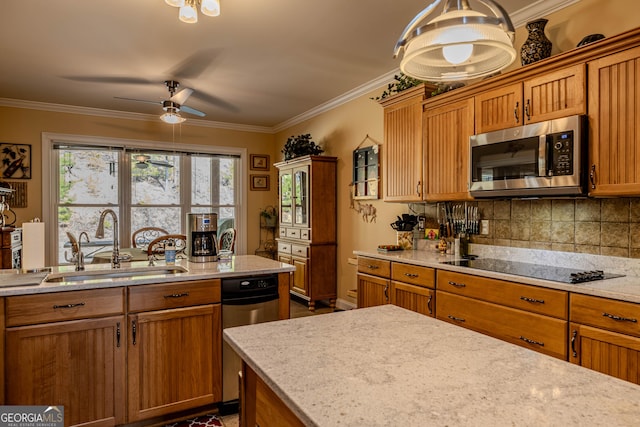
{"points": [[201, 237], [245, 301], [537, 271], [540, 159]]}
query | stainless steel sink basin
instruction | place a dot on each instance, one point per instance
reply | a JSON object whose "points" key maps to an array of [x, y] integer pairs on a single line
{"points": [[129, 273]]}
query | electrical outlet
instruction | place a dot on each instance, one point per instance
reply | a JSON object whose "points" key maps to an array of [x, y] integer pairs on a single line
{"points": [[484, 227]]}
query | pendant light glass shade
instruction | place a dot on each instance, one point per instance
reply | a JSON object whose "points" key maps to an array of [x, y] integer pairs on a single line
{"points": [[460, 44], [210, 7], [188, 13]]}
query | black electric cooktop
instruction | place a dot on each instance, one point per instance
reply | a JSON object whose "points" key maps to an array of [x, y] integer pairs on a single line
{"points": [[537, 271]]}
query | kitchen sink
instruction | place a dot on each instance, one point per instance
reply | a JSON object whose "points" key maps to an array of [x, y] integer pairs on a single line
{"points": [[129, 273]]}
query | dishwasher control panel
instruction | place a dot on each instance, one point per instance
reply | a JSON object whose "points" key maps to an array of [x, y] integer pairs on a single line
{"points": [[249, 287]]}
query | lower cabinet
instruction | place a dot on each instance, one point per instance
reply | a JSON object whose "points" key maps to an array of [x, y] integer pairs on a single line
{"points": [[174, 351], [414, 298], [605, 336], [372, 291], [70, 353]]}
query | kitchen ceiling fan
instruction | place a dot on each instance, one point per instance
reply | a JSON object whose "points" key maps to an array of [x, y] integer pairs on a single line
{"points": [[174, 105], [143, 161]]}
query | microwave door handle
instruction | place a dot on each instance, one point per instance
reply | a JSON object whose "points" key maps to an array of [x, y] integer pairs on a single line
{"points": [[543, 153]]}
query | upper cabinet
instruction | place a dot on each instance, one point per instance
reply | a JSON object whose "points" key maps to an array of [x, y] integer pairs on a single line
{"points": [[614, 108], [403, 158], [550, 95], [446, 142]]}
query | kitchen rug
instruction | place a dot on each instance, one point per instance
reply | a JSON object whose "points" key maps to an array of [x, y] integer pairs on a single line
{"points": [[201, 421]]}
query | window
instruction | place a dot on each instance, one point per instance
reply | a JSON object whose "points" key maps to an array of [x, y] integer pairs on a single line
{"points": [[145, 187]]}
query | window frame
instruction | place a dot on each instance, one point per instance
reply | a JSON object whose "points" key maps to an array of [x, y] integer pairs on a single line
{"points": [[50, 181]]}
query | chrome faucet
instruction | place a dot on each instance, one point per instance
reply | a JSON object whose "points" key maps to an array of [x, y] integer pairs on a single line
{"points": [[80, 256], [115, 254]]}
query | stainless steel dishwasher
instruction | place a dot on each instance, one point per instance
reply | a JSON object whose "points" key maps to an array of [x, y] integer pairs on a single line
{"points": [[245, 301]]}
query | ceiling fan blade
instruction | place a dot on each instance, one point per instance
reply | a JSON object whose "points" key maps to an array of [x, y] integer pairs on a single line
{"points": [[139, 100], [160, 163], [214, 100], [109, 79], [194, 65], [193, 111], [182, 96]]}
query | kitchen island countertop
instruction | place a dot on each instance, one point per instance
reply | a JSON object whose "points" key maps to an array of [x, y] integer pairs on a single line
{"points": [[386, 365]]}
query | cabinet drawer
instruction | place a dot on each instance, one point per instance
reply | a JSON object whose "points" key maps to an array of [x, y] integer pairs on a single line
{"points": [[282, 232], [540, 333], [417, 275], [284, 247], [305, 234], [549, 302], [376, 267], [300, 250], [61, 306], [617, 316], [172, 295], [293, 233]]}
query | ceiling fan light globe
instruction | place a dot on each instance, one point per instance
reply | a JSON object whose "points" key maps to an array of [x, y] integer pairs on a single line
{"points": [[210, 7], [172, 118], [175, 3], [188, 14]]}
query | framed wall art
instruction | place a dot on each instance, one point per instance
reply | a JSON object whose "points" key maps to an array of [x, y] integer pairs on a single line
{"points": [[259, 162], [260, 182], [16, 161]]}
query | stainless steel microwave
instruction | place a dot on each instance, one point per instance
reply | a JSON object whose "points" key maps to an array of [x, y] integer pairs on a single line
{"points": [[540, 159]]}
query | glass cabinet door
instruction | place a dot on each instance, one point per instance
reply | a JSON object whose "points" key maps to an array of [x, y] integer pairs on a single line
{"points": [[301, 198], [286, 198]]}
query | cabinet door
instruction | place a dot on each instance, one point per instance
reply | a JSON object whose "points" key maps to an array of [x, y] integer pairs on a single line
{"points": [[403, 151], [414, 298], [78, 364], [286, 197], [301, 196], [447, 130], [614, 108], [555, 94], [499, 108], [174, 360], [300, 282], [611, 353], [372, 291]]}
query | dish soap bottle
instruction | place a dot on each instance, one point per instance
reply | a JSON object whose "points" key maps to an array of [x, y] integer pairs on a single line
{"points": [[170, 252]]}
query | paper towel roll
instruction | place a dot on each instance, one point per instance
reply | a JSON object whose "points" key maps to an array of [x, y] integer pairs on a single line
{"points": [[32, 245]]}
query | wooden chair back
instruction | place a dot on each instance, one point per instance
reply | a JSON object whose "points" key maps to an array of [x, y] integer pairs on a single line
{"points": [[156, 246], [142, 237], [227, 240]]}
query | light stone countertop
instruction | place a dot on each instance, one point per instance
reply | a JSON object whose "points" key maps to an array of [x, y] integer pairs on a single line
{"points": [[625, 288], [12, 282], [385, 365]]}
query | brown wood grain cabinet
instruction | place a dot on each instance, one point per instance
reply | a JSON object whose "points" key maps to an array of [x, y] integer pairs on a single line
{"points": [[174, 348], [446, 139], [75, 360], [307, 234], [413, 288], [614, 108], [373, 282], [605, 336], [529, 316]]}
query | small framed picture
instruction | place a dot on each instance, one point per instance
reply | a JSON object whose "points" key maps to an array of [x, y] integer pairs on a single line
{"points": [[260, 182], [259, 162], [16, 161]]}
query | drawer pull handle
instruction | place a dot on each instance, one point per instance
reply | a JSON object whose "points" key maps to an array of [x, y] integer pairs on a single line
{"points": [[620, 319], [527, 340], [456, 319], [118, 334], [134, 331], [532, 300], [457, 285], [79, 304], [574, 335], [429, 304], [372, 267], [413, 276], [184, 294]]}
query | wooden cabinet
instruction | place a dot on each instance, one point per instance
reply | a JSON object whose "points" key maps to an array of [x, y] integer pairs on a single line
{"points": [[525, 315], [307, 232], [72, 355], [373, 282], [402, 152], [446, 138], [11, 248], [605, 336], [614, 106], [551, 95], [174, 348], [412, 287]]}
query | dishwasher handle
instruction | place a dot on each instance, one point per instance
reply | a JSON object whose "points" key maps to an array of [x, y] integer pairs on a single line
{"points": [[250, 300]]}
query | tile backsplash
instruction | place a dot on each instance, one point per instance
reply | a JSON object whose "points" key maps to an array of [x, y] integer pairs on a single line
{"points": [[594, 226]]}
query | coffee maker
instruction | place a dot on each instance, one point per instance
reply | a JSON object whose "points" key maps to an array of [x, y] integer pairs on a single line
{"points": [[201, 237]]}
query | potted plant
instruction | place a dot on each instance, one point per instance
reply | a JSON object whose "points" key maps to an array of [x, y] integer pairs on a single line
{"points": [[300, 145], [270, 216], [400, 82]]}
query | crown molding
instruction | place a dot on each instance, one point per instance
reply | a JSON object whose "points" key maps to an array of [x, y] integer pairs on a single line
{"points": [[537, 10]]}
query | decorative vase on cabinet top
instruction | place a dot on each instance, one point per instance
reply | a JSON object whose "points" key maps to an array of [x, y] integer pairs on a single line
{"points": [[537, 46]]}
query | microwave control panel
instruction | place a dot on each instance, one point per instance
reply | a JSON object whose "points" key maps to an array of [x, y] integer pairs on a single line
{"points": [[561, 149]]}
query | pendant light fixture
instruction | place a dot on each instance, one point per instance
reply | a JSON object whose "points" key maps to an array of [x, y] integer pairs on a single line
{"points": [[460, 44], [188, 9]]}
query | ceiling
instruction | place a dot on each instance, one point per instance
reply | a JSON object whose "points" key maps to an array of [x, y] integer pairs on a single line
{"points": [[260, 63]]}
